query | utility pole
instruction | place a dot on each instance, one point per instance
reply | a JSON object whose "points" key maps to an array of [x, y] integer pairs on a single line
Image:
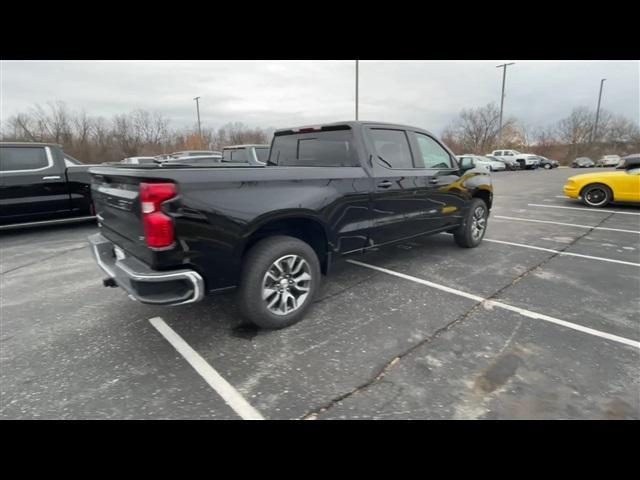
{"points": [[594, 132], [199, 126], [357, 89], [504, 76]]}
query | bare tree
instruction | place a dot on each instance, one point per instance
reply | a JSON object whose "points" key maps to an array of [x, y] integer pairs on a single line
{"points": [[476, 129], [98, 139], [577, 127], [620, 131]]}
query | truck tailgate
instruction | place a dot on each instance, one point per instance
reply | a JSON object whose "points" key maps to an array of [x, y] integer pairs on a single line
{"points": [[116, 199]]}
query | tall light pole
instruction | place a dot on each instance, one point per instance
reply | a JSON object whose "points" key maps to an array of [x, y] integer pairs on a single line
{"points": [[357, 89], [199, 126], [595, 127], [504, 76]]}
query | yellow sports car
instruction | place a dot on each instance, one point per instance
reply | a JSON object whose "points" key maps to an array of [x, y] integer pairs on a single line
{"points": [[598, 189]]}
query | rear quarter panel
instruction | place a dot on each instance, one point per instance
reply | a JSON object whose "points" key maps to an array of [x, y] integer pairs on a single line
{"points": [[215, 215]]}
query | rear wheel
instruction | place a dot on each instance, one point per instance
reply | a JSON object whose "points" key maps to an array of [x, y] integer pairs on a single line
{"points": [[472, 230], [596, 195], [280, 277], [547, 166]]}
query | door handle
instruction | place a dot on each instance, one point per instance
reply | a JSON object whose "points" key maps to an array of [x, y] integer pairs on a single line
{"points": [[433, 181], [52, 177], [385, 184]]}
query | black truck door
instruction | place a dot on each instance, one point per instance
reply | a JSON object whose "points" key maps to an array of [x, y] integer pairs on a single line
{"points": [[402, 203], [443, 188], [31, 182]]}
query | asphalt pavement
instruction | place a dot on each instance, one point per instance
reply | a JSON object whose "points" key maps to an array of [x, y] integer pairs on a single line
{"points": [[541, 321]]}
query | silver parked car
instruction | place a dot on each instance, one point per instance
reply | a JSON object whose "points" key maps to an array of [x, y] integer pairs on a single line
{"points": [[608, 161], [509, 163], [484, 162]]}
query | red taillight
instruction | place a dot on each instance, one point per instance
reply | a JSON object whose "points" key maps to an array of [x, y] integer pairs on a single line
{"points": [[158, 227]]}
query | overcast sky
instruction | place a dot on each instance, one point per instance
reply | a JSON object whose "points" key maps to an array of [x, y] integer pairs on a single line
{"points": [[279, 94]]}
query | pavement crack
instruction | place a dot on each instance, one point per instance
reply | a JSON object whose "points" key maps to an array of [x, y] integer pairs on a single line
{"points": [[388, 366], [393, 361], [552, 256], [10, 270]]}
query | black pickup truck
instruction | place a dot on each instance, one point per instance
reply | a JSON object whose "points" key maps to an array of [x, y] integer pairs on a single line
{"points": [[171, 234], [39, 182]]}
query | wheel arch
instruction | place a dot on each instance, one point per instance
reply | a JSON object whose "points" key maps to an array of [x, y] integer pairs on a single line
{"points": [[305, 227], [591, 184], [484, 195]]}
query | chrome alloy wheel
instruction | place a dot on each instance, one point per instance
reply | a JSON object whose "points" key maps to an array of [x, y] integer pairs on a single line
{"points": [[478, 222], [596, 197], [285, 286]]}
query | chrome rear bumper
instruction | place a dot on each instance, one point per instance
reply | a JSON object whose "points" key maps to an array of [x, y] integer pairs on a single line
{"points": [[176, 287]]}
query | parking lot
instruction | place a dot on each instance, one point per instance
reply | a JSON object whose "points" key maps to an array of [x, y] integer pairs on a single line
{"points": [[541, 321]]}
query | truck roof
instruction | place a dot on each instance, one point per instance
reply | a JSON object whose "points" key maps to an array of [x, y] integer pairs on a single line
{"points": [[353, 123]]}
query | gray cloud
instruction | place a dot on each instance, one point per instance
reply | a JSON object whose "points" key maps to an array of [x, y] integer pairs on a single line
{"points": [[286, 93]]}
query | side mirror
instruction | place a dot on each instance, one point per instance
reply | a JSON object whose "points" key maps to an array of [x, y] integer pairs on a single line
{"points": [[467, 164]]}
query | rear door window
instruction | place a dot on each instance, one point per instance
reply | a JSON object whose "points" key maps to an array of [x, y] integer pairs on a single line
{"points": [[23, 158], [239, 156], [392, 147], [262, 154], [327, 148]]}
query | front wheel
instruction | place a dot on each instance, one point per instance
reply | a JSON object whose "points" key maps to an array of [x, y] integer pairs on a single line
{"points": [[280, 277], [596, 195], [472, 230]]}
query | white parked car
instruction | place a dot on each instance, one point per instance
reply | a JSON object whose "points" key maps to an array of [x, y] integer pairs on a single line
{"points": [[526, 160], [608, 161], [484, 162]]}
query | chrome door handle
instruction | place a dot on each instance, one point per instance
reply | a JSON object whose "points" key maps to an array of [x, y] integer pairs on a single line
{"points": [[433, 181], [52, 177]]}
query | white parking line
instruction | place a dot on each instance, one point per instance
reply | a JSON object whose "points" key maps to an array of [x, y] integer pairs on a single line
{"points": [[230, 395], [494, 303], [562, 196], [559, 252], [595, 210], [565, 224]]}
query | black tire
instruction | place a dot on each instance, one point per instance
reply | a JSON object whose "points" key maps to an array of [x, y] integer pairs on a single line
{"points": [[596, 195], [547, 166], [258, 261], [466, 234]]}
